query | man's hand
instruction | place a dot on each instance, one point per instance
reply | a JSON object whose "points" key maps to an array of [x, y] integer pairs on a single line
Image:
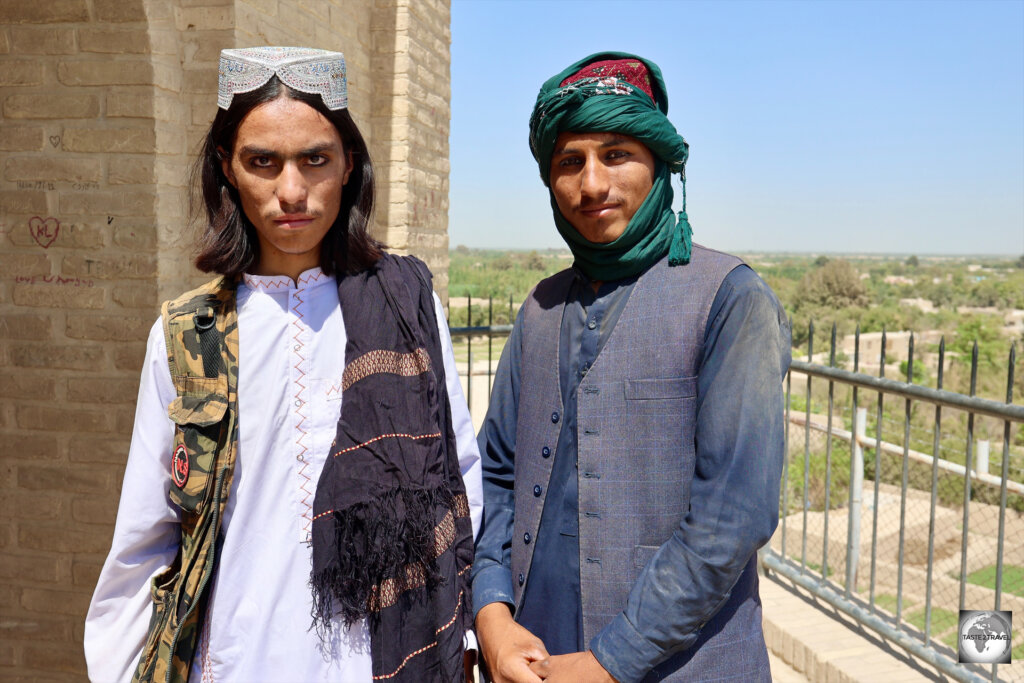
{"points": [[573, 667], [508, 648]]}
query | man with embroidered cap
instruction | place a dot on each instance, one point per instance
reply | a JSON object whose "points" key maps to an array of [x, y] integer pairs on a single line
{"points": [[633, 446], [303, 481]]}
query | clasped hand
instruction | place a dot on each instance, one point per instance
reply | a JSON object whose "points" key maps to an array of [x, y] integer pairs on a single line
{"points": [[514, 655]]}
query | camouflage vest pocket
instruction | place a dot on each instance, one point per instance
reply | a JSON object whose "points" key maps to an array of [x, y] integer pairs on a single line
{"points": [[162, 590], [199, 414]]}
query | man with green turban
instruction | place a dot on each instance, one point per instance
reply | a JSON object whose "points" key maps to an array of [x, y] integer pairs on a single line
{"points": [[634, 442]]}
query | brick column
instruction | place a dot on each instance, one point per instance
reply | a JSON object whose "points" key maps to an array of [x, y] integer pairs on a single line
{"points": [[411, 114]]}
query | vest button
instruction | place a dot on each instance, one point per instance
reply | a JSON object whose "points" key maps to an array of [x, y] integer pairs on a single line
{"points": [[537, 490], [522, 579], [554, 417], [526, 538], [591, 324], [546, 452]]}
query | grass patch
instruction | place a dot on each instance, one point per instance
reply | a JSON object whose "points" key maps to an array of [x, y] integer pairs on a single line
{"points": [[1017, 654], [888, 602], [461, 350], [838, 491], [817, 567], [942, 619], [1013, 578]]}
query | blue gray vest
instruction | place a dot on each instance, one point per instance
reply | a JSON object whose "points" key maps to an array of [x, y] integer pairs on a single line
{"points": [[636, 423]]}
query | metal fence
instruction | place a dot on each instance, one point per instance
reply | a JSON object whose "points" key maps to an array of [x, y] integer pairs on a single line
{"points": [[901, 503], [901, 536]]}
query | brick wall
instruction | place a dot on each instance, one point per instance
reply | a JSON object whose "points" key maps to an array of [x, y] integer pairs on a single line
{"points": [[102, 106], [411, 112]]}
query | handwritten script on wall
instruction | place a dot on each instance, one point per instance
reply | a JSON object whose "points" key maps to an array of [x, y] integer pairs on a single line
{"points": [[55, 280]]}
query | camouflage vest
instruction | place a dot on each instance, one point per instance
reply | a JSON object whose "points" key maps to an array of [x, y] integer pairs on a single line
{"points": [[201, 330]]}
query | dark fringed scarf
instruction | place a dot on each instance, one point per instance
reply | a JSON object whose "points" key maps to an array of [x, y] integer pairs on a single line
{"points": [[392, 538]]}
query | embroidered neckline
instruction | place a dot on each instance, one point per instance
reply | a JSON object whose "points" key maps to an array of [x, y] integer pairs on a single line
{"points": [[281, 283]]}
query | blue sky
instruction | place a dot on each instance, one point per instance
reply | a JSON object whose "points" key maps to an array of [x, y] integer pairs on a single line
{"points": [[813, 126]]}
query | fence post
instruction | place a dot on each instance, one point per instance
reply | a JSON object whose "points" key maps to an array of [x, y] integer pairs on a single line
{"points": [[490, 342], [469, 378], [981, 458], [860, 422]]}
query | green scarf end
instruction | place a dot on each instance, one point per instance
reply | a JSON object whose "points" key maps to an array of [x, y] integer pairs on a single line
{"points": [[682, 243]]}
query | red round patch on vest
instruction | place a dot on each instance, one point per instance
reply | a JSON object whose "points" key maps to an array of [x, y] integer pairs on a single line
{"points": [[179, 466]]}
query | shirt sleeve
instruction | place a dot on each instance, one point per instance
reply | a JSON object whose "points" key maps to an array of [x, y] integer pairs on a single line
{"points": [[462, 423], [146, 535], [492, 567], [734, 496]]}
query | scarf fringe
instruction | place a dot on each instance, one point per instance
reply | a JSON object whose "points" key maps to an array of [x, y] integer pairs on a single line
{"points": [[376, 541]]}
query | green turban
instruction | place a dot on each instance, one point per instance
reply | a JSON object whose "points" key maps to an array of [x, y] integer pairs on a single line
{"points": [[614, 98]]}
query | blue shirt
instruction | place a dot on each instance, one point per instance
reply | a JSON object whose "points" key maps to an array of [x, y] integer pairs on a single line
{"points": [[743, 337]]}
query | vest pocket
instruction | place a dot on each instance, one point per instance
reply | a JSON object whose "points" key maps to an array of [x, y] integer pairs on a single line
{"points": [[161, 590], [661, 388], [200, 400], [199, 414]]}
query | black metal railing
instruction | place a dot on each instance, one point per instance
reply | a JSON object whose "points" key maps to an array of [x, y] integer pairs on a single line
{"points": [[484, 337]]}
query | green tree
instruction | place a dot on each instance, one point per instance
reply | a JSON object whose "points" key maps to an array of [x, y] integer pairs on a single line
{"points": [[992, 346], [920, 373], [834, 285], [912, 262], [534, 261]]}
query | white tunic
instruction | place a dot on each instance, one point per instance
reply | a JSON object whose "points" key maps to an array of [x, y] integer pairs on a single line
{"points": [[257, 627]]}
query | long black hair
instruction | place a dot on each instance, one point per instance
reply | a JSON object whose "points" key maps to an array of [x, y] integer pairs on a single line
{"points": [[228, 243]]}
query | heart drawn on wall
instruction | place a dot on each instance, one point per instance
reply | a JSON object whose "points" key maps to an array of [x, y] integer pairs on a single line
{"points": [[55, 140], [44, 230]]}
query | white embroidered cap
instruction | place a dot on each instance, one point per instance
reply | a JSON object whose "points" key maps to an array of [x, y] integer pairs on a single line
{"points": [[300, 68]]}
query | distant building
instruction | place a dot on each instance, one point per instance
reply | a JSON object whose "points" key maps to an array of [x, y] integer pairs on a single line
{"points": [[981, 310], [924, 304], [1014, 321], [898, 280]]}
